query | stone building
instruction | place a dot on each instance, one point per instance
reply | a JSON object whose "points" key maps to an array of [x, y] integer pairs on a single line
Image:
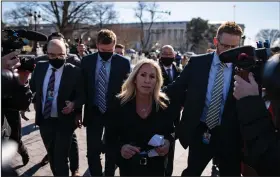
{"points": [[129, 34]]}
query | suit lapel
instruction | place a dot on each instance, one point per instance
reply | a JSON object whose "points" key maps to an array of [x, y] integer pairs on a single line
{"points": [[113, 76], [230, 98], [164, 74], [66, 75], [204, 73], [91, 71], [42, 75]]}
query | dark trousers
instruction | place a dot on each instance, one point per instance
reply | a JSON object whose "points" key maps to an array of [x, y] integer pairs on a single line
{"points": [[57, 137], [110, 158], [74, 154], [200, 154], [14, 120], [170, 160], [95, 146], [132, 167]]}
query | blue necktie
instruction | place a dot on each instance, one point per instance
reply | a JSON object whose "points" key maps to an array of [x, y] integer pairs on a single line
{"points": [[101, 88], [169, 75], [50, 90]]}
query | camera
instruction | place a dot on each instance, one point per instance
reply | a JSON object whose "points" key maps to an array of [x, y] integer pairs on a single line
{"points": [[27, 62], [14, 40], [248, 59]]}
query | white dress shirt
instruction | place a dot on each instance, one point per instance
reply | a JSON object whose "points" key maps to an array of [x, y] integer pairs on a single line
{"points": [[58, 75], [171, 71]]}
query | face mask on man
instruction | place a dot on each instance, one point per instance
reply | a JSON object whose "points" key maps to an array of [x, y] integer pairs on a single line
{"points": [[166, 61], [105, 55], [57, 63]]}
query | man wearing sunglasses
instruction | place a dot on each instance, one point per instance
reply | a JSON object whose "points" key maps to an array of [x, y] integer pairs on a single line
{"points": [[209, 124]]}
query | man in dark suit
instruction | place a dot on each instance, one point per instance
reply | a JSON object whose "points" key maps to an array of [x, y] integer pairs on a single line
{"points": [[103, 74], [74, 153], [209, 125], [169, 73], [59, 99]]}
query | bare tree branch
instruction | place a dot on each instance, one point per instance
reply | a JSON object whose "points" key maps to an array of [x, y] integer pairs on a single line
{"points": [[103, 14], [153, 10], [63, 14]]}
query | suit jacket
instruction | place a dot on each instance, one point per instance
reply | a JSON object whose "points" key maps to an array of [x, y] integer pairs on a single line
{"points": [[194, 80], [176, 103], [176, 72], [71, 58], [71, 88], [120, 68]]}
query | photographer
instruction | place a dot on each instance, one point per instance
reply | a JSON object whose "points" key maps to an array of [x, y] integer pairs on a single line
{"points": [[16, 96], [261, 134]]}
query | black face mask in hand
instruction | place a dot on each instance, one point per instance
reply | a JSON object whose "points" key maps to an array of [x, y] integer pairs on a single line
{"points": [[166, 61], [57, 63], [105, 55]]}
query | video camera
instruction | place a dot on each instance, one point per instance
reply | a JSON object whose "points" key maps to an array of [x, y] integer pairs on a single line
{"points": [[15, 40], [248, 59]]}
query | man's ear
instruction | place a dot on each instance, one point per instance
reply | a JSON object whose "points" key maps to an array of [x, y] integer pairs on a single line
{"points": [[215, 41]]}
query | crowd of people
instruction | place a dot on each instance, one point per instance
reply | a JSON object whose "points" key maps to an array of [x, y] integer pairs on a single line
{"points": [[135, 115]]}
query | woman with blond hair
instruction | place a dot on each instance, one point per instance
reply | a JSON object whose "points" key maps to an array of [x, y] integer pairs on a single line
{"points": [[141, 114]]}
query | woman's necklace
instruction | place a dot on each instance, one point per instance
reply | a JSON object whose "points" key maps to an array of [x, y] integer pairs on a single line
{"points": [[146, 110]]}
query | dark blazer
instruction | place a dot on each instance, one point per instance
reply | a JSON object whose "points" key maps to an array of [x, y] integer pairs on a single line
{"points": [[194, 80], [128, 128], [120, 68], [71, 58], [176, 104], [176, 72], [71, 88]]}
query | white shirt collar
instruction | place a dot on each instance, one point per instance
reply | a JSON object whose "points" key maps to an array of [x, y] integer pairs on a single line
{"points": [[59, 69], [170, 67]]}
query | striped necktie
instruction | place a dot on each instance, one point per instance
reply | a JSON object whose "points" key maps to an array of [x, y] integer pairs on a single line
{"points": [[49, 95], [212, 117], [101, 88]]}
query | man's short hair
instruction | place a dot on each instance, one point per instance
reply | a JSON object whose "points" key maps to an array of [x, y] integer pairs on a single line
{"points": [[230, 28], [120, 46], [55, 34], [106, 36]]}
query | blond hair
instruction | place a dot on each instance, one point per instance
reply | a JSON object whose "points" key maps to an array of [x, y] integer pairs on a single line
{"points": [[128, 91]]}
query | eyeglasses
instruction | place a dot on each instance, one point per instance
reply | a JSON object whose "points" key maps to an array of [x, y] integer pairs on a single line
{"points": [[226, 45]]}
